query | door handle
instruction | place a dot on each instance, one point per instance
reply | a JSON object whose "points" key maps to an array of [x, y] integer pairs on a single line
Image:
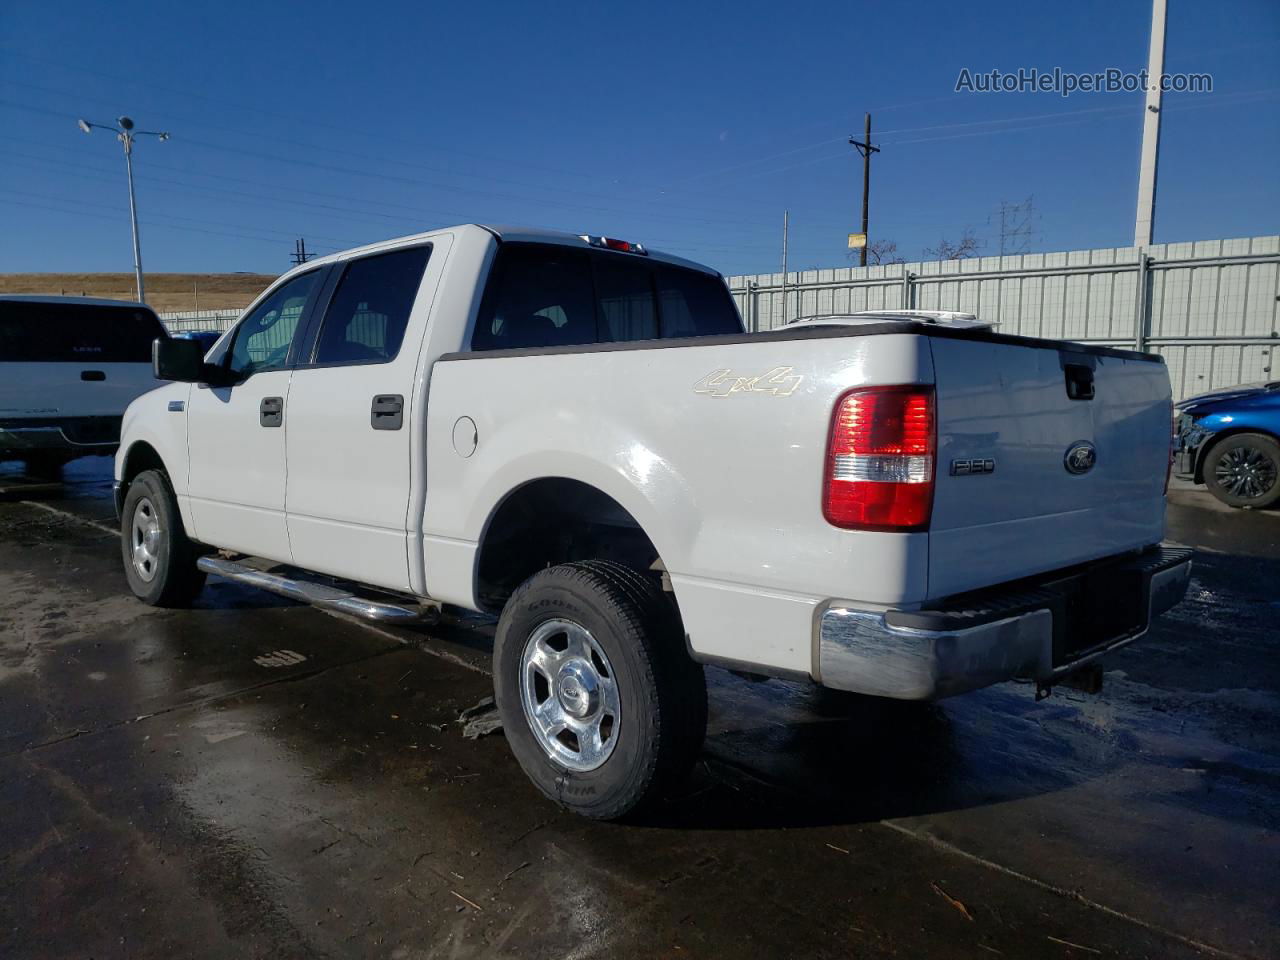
{"points": [[92, 376], [271, 411], [387, 412]]}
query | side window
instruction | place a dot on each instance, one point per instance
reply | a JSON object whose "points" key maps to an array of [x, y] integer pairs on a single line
{"points": [[367, 316], [695, 304], [263, 338], [539, 296], [625, 291]]}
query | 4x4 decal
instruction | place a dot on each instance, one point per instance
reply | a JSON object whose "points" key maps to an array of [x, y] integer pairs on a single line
{"points": [[778, 382]]}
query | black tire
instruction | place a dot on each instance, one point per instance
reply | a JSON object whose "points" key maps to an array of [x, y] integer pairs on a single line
{"points": [[174, 579], [1243, 470], [661, 691]]}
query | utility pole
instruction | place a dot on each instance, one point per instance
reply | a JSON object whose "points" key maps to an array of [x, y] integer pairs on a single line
{"points": [[1144, 223], [126, 135], [786, 217], [300, 254], [865, 148], [1016, 221]]}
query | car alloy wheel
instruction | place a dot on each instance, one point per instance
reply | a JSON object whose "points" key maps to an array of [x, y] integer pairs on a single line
{"points": [[1245, 472], [144, 540], [570, 695]]}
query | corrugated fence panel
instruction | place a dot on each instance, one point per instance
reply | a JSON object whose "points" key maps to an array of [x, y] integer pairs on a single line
{"points": [[1210, 307]]}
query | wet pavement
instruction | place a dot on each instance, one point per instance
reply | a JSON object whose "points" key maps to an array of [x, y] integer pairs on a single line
{"points": [[255, 778]]}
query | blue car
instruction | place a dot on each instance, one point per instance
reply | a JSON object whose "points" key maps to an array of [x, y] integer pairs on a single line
{"points": [[1229, 440], [206, 338]]}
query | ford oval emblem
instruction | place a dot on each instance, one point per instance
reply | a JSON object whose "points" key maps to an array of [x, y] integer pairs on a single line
{"points": [[1080, 457]]}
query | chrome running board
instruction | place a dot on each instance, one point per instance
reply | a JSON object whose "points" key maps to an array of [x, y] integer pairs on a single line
{"points": [[317, 594]]}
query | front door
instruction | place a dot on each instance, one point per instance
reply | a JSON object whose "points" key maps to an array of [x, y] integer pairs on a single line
{"points": [[349, 437], [236, 434]]}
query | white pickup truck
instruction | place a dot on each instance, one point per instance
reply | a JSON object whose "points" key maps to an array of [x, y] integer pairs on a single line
{"points": [[574, 434]]}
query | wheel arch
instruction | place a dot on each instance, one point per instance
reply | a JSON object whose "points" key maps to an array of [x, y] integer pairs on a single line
{"points": [[139, 456], [546, 521]]}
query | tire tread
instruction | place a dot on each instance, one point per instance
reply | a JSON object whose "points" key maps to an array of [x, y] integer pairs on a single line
{"points": [[672, 685]]}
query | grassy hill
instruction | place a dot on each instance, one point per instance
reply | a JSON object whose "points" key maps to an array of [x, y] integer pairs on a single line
{"points": [[165, 291]]}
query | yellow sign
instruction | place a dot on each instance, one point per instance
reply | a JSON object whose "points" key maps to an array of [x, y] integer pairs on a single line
{"points": [[857, 241]]}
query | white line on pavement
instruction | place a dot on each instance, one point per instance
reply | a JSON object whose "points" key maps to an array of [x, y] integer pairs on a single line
{"points": [[71, 516]]}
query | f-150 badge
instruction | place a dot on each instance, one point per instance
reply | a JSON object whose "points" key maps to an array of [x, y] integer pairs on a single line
{"points": [[778, 382]]}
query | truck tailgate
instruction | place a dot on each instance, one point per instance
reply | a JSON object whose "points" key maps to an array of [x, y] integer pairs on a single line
{"points": [[60, 391], [1008, 503]]}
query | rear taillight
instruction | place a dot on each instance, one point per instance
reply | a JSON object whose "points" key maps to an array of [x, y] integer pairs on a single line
{"points": [[880, 459], [1168, 466]]}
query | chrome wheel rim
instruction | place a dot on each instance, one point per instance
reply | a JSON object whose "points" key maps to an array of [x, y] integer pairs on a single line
{"points": [[144, 540], [570, 695], [1245, 472]]}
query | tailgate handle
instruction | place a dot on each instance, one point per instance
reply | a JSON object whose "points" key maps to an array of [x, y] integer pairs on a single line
{"points": [[1079, 381], [93, 376], [387, 412]]}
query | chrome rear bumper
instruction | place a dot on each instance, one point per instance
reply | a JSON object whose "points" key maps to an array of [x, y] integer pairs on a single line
{"points": [[1031, 632]]}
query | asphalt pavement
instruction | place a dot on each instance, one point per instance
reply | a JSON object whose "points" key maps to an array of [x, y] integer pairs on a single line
{"points": [[256, 778]]}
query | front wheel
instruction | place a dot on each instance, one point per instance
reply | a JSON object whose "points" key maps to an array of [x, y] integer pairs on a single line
{"points": [[1243, 470], [159, 559], [602, 705]]}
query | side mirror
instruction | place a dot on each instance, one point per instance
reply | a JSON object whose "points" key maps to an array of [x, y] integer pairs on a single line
{"points": [[179, 360]]}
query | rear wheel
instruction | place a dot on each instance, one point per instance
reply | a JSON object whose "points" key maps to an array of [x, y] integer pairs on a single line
{"points": [[1243, 470], [601, 703], [159, 559]]}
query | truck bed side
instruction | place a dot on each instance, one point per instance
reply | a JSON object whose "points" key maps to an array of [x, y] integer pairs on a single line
{"points": [[715, 448]]}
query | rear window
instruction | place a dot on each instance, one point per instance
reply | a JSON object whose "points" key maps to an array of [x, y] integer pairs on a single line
{"points": [[545, 295], [624, 294], [76, 333], [694, 304], [537, 297]]}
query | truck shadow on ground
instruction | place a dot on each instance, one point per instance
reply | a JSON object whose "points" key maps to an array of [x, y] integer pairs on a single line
{"points": [[841, 759]]}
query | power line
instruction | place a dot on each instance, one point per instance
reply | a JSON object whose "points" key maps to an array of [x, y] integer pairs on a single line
{"points": [[196, 220], [390, 177], [76, 212]]}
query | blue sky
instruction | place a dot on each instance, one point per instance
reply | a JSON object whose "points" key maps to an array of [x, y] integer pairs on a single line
{"points": [[689, 126]]}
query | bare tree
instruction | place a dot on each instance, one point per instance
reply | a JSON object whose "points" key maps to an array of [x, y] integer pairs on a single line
{"points": [[967, 246], [881, 251]]}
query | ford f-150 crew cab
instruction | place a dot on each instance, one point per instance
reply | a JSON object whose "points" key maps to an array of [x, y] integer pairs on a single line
{"points": [[575, 434]]}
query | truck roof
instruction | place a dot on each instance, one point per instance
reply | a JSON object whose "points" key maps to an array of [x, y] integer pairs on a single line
{"points": [[84, 301], [502, 232]]}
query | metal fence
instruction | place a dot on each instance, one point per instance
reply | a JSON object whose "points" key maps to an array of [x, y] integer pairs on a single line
{"points": [[1210, 307], [189, 320]]}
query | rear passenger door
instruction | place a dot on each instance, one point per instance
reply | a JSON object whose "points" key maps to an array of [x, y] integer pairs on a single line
{"points": [[349, 445]]}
